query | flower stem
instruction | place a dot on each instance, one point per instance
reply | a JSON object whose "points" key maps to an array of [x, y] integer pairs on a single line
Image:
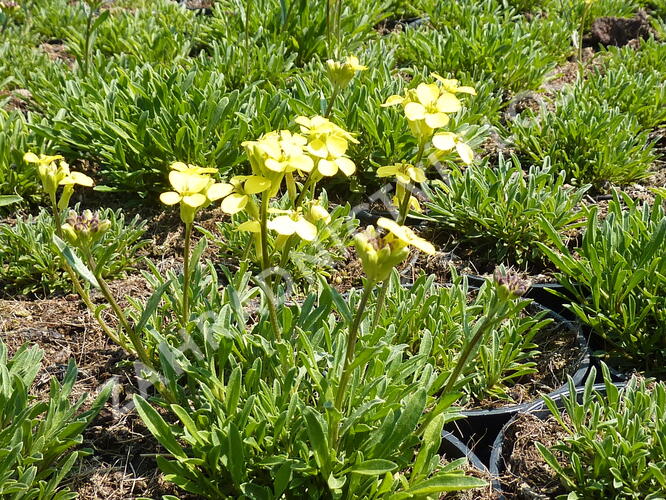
{"points": [[78, 287], [186, 275], [352, 337], [334, 96], [349, 357], [266, 266], [139, 348], [86, 50]]}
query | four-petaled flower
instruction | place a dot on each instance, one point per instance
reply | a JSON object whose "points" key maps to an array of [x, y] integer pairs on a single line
{"points": [[327, 143], [192, 190], [53, 172], [404, 172], [239, 190], [448, 141], [293, 222], [405, 236]]}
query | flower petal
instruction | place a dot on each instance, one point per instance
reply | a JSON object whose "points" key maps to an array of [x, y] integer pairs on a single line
{"points": [[427, 93], [336, 145], [327, 168], [414, 111], [283, 224], [302, 162], [416, 174], [194, 200], [250, 226], [31, 158], [219, 190], [234, 203], [465, 152], [179, 166], [436, 120], [305, 229], [448, 103], [170, 198], [393, 100], [444, 141], [466, 90], [318, 148], [387, 171], [256, 184], [81, 179], [346, 165]]}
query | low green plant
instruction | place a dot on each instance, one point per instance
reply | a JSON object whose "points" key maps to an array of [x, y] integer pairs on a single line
{"points": [[498, 210], [617, 279], [614, 446], [505, 52], [39, 439], [640, 94], [592, 140], [30, 262], [442, 319]]}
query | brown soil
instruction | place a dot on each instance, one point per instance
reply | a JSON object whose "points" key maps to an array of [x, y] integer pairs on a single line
{"points": [[619, 31], [527, 476], [122, 465], [57, 51], [18, 99]]}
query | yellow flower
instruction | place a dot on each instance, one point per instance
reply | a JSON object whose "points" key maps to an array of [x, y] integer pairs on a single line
{"points": [[427, 105], [179, 166], [405, 235], [193, 191], [293, 222], [341, 73], [317, 212], [447, 141], [277, 153], [54, 172], [451, 85], [328, 143], [241, 187], [404, 172], [378, 255]]}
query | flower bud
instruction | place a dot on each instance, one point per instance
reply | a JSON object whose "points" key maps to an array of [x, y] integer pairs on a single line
{"points": [[509, 284], [379, 255], [341, 73], [85, 229]]}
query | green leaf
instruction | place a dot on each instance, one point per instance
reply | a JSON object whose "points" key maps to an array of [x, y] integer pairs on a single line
{"points": [[151, 306], [374, 467], [8, 199], [74, 261], [318, 439], [158, 427]]}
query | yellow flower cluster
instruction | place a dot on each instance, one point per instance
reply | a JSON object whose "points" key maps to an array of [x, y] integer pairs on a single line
{"points": [[53, 172], [194, 188], [427, 108]]}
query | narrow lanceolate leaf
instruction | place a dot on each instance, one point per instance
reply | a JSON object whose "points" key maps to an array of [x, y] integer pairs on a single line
{"points": [[374, 467], [318, 439], [74, 261], [158, 427], [439, 484], [151, 305], [8, 199]]}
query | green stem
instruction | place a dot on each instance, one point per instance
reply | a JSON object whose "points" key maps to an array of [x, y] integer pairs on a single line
{"points": [[352, 337], [78, 287], [306, 187], [334, 96], [380, 303], [186, 276], [266, 266], [139, 348], [404, 205], [248, 8], [581, 30], [494, 316]]}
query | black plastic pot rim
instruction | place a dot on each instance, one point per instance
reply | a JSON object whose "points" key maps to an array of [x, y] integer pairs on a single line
{"points": [[584, 364], [453, 447], [540, 410]]}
